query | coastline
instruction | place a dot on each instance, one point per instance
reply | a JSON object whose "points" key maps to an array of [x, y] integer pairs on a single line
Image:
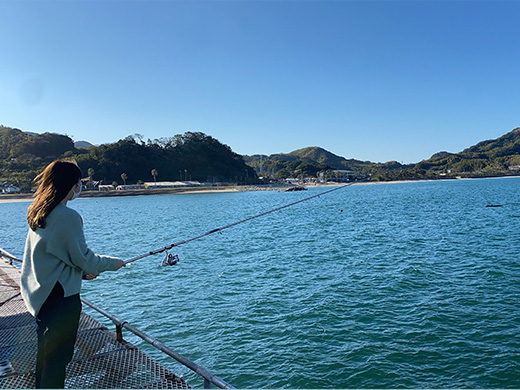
{"points": [[166, 191], [9, 198]]}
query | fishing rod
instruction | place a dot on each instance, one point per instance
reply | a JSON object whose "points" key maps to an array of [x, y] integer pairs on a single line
{"points": [[173, 259]]}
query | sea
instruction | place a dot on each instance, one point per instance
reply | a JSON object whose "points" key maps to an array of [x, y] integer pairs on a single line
{"points": [[388, 285]]}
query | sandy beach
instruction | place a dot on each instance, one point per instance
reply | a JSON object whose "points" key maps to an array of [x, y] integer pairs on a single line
{"points": [[15, 198]]}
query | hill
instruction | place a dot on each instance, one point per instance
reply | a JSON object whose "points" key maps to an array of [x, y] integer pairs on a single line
{"points": [[190, 156], [312, 161], [307, 162], [487, 158], [507, 145], [82, 144], [500, 156], [317, 155], [197, 156]]}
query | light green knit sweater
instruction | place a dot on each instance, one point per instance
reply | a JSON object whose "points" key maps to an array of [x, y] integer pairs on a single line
{"points": [[58, 253]]}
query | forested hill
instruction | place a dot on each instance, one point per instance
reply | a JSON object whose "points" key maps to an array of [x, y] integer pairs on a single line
{"points": [[491, 157], [197, 156], [488, 158], [191, 156], [507, 145], [319, 155], [307, 162]]}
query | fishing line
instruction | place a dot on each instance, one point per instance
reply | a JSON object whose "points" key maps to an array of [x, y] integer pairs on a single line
{"points": [[173, 259]]}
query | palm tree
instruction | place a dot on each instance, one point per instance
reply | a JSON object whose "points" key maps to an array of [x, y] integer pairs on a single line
{"points": [[91, 172], [155, 174], [124, 176]]}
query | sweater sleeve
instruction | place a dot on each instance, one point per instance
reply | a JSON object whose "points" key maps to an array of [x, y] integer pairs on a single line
{"points": [[71, 242]]}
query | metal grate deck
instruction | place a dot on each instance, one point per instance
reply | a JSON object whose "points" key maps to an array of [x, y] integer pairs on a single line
{"points": [[99, 362]]}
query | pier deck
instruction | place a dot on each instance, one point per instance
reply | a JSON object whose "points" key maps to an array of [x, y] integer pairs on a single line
{"points": [[100, 361]]}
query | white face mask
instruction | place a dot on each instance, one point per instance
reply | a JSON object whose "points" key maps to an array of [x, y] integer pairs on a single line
{"points": [[76, 194]]}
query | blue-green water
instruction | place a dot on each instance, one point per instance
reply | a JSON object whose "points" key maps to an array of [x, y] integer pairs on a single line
{"points": [[372, 286]]}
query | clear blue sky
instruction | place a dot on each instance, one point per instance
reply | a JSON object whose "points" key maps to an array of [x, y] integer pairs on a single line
{"points": [[371, 80]]}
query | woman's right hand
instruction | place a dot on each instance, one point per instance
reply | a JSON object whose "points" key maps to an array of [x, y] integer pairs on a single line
{"points": [[121, 264]]}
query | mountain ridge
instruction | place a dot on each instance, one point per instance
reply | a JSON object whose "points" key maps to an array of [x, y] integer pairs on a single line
{"points": [[489, 157], [23, 154]]}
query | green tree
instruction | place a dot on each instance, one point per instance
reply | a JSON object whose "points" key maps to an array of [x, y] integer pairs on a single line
{"points": [[48, 145], [124, 176]]}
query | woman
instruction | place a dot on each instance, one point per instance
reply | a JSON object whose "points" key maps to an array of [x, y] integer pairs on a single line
{"points": [[56, 258]]}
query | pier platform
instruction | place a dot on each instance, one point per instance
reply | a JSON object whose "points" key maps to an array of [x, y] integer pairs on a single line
{"points": [[100, 361]]}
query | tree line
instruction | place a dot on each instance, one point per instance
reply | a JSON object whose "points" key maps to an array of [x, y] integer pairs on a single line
{"points": [[190, 156], [198, 157]]}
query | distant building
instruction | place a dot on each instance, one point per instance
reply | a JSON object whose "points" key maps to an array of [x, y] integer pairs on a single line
{"points": [[8, 188], [292, 180], [130, 187], [343, 175], [106, 188], [192, 183], [514, 167], [171, 184]]}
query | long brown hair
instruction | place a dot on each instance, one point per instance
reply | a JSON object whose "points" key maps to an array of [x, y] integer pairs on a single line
{"points": [[54, 184]]}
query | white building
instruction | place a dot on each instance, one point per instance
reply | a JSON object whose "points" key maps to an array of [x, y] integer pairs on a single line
{"points": [[131, 187], [10, 189], [171, 184], [106, 187], [344, 175]]}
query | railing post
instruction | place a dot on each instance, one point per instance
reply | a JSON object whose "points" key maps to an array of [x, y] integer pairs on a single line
{"points": [[119, 333], [119, 330]]}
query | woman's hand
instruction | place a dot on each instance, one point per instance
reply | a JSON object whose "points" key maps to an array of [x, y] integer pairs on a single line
{"points": [[91, 277], [121, 264]]}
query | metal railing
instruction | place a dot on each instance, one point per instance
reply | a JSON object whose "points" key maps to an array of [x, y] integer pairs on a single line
{"points": [[208, 377]]}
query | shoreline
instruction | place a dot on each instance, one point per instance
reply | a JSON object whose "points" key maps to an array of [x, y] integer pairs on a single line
{"points": [[10, 198]]}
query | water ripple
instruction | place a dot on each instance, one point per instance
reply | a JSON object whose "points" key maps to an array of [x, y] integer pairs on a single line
{"points": [[412, 285]]}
